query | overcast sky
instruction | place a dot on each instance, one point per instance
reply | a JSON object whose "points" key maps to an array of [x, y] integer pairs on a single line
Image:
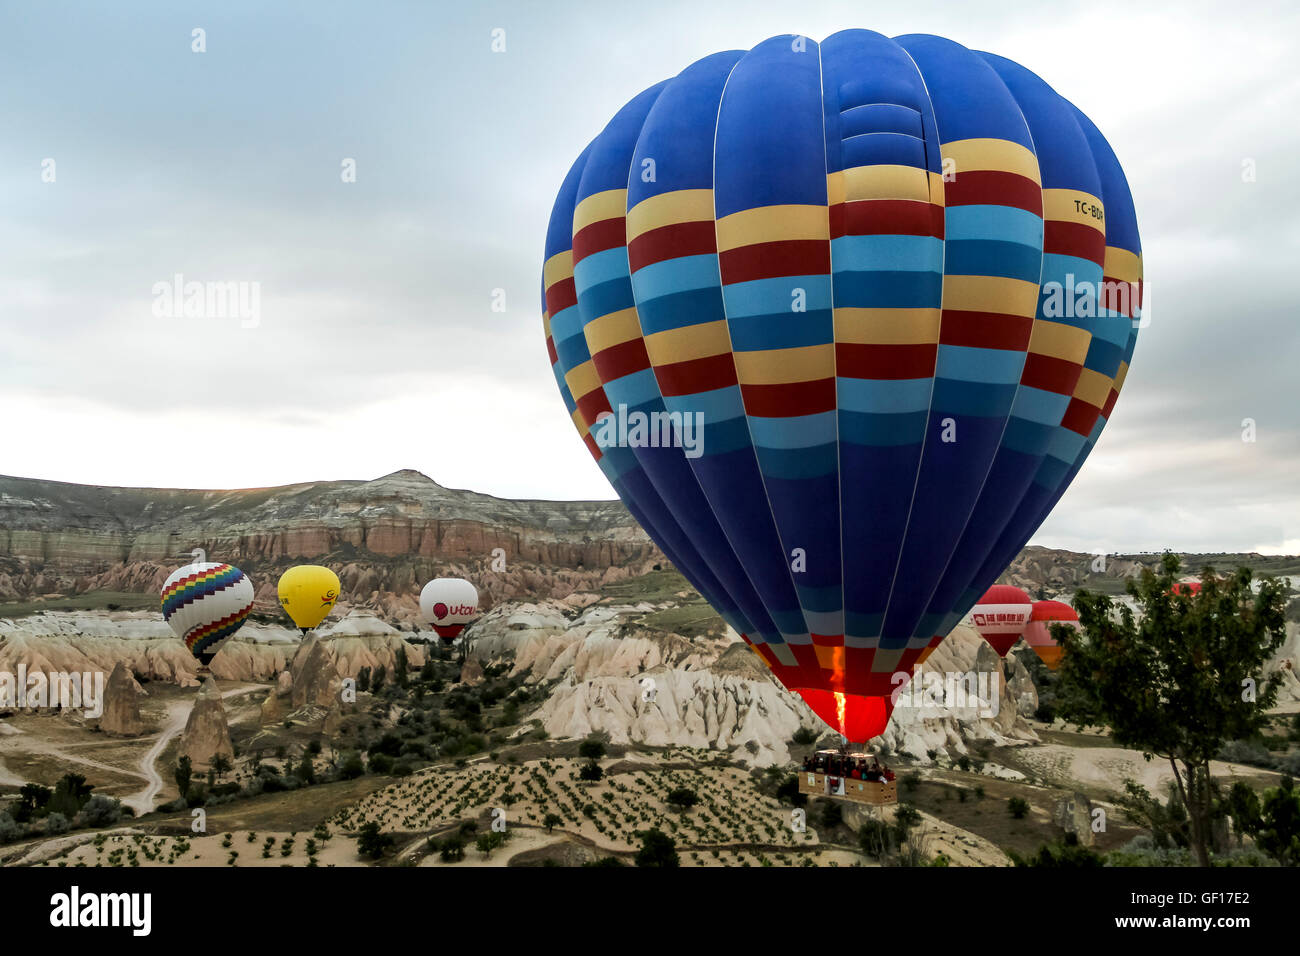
{"points": [[377, 346]]}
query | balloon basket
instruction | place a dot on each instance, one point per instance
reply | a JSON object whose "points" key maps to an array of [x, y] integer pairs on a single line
{"points": [[872, 793]]}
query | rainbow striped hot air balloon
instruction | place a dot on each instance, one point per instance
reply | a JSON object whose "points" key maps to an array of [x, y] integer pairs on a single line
{"points": [[831, 319], [206, 602]]}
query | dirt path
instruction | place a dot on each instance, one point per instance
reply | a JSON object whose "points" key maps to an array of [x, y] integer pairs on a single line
{"points": [[178, 712]]}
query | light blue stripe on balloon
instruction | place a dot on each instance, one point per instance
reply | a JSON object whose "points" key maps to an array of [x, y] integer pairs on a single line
{"points": [[883, 395], [887, 254], [600, 267], [1065, 444], [968, 364], [765, 296], [676, 275], [803, 431], [1038, 405], [633, 390], [717, 404], [566, 323], [993, 222]]}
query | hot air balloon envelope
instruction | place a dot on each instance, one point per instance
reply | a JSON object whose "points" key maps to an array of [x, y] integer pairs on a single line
{"points": [[1001, 616], [204, 604], [307, 594], [448, 604], [832, 381], [1038, 632]]}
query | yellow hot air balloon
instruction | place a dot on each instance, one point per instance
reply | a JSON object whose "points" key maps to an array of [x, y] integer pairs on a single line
{"points": [[307, 594]]}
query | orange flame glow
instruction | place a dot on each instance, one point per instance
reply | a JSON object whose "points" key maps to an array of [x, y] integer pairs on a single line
{"points": [[840, 704]]}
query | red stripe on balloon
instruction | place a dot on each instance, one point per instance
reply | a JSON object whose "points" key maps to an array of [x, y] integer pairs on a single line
{"points": [[672, 242], [985, 330], [1050, 374], [992, 187], [560, 296], [696, 375], [789, 399], [622, 359], [1074, 239], [770, 260], [886, 217], [599, 236], [887, 362], [1080, 417]]}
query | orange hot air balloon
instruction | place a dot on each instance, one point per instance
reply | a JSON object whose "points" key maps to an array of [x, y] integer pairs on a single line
{"points": [[1186, 589], [1001, 616], [1038, 632]]}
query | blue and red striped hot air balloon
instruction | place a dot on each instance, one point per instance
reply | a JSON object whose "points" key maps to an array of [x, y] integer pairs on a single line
{"points": [[856, 290]]}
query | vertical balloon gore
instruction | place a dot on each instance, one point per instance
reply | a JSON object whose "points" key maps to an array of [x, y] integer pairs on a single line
{"points": [[853, 716]]}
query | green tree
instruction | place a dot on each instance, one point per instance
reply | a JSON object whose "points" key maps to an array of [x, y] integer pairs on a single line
{"points": [[1279, 825], [401, 667], [184, 775], [551, 821], [683, 798], [1018, 807], [306, 770], [220, 766], [593, 748], [1180, 681], [373, 843], [657, 849], [70, 794]]}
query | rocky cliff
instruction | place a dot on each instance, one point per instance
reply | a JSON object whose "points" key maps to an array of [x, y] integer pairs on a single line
{"points": [[384, 537]]}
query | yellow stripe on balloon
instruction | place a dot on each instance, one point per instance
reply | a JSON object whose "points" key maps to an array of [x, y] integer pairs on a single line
{"points": [[990, 294], [1093, 388], [609, 204], [1120, 375], [558, 268], [886, 326], [772, 224], [668, 209], [580, 423], [1060, 341], [689, 342], [1001, 155], [612, 329], [881, 182], [779, 366], [1074, 205], [582, 379], [1123, 265]]}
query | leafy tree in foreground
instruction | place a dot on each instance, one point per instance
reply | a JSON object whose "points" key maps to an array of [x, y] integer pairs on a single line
{"points": [[1179, 682], [657, 849]]}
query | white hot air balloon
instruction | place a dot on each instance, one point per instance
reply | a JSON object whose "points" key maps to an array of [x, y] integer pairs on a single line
{"points": [[449, 604], [206, 602]]}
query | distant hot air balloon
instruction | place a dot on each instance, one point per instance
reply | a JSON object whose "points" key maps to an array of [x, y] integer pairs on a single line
{"points": [[1186, 588], [307, 594], [204, 603], [837, 387], [1038, 632], [1001, 616], [449, 604]]}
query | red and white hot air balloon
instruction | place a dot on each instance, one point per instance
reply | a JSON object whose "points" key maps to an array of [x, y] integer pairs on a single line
{"points": [[1186, 589], [1001, 616], [449, 604], [1038, 632]]}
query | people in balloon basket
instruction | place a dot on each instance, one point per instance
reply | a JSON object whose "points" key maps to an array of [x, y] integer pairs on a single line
{"points": [[852, 766]]}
